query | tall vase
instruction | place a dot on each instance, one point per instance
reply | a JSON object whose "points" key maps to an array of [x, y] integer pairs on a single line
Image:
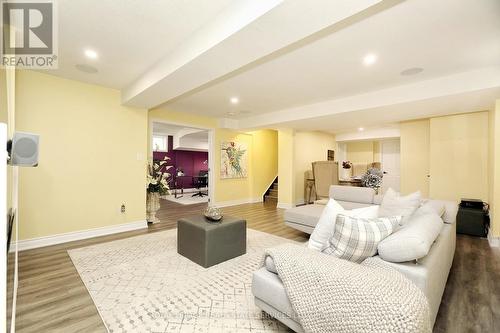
{"points": [[152, 206], [346, 174]]}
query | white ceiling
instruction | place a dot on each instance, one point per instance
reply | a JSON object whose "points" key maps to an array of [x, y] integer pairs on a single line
{"points": [[289, 63], [443, 37], [129, 35], [201, 136]]}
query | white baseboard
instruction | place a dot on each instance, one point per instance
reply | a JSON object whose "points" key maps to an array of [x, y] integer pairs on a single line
{"points": [[494, 241], [33, 243], [236, 202], [283, 205]]}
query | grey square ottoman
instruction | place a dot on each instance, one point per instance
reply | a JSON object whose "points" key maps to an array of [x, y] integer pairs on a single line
{"points": [[208, 244]]}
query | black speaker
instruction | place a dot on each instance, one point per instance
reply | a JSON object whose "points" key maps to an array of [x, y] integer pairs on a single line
{"points": [[473, 221], [24, 149]]}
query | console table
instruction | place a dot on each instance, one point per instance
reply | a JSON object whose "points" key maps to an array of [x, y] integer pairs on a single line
{"points": [[351, 182]]}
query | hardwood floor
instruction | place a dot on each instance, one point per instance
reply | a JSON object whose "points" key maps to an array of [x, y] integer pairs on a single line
{"points": [[52, 298]]}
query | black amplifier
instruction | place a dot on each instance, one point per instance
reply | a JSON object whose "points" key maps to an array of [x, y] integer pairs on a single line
{"points": [[471, 203], [473, 218]]}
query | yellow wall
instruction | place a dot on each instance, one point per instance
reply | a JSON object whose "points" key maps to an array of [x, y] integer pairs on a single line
{"points": [[262, 155], [308, 147], [377, 154], [265, 160], [459, 156], [494, 169], [359, 151], [286, 174], [415, 150], [3, 96], [453, 150], [88, 162], [363, 151]]}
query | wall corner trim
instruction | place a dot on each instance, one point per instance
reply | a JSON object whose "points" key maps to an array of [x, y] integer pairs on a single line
{"points": [[33, 243], [494, 241], [283, 205], [236, 202]]}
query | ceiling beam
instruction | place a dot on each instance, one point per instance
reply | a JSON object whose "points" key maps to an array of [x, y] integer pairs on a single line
{"points": [[247, 32], [462, 83]]}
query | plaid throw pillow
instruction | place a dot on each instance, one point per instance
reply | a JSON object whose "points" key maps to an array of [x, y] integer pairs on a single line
{"points": [[356, 239]]}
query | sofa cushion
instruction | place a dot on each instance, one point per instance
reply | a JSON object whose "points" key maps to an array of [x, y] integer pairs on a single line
{"points": [[352, 194], [268, 287], [306, 215], [412, 241], [450, 209], [356, 239], [431, 272], [324, 229], [377, 199], [430, 207], [395, 205], [348, 205]]}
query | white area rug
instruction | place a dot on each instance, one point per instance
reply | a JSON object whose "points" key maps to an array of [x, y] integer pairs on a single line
{"points": [[141, 284], [187, 199]]}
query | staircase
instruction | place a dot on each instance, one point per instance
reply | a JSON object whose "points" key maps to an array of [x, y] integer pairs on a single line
{"points": [[271, 195]]}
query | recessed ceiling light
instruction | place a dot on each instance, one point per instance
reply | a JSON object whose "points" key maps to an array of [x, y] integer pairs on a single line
{"points": [[234, 100], [370, 59], [361, 129], [91, 54], [86, 68], [412, 71]]}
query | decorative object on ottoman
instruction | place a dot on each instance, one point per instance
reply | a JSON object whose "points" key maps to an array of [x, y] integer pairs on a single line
{"points": [[346, 170], [373, 179], [213, 214], [209, 244], [157, 185]]}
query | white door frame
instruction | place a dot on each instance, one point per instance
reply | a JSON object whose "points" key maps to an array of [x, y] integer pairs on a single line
{"points": [[211, 151]]}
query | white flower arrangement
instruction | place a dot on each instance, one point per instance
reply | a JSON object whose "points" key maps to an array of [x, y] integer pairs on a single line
{"points": [[157, 178]]}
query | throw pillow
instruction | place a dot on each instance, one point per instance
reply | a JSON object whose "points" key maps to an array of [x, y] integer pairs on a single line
{"points": [[356, 239], [324, 229], [413, 241], [395, 205]]}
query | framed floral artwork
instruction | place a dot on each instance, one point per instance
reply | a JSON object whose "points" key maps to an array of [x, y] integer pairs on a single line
{"points": [[233, 162]]}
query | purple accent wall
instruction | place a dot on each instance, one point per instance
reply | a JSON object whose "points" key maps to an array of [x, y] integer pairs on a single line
{"points": [[191, 162]]}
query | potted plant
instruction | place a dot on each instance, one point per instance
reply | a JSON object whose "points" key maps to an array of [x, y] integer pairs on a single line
{"points": [[373, 179], [346, 170], [157, 185]]}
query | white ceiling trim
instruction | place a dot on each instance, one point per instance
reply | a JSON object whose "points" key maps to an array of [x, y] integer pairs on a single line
{"points": [[242, 34], [482, 79]]}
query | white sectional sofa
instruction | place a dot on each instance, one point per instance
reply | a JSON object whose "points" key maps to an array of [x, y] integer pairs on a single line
{"points": [[429, 273]]}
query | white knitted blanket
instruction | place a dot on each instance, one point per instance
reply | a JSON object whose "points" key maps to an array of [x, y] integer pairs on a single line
{"points": [[334, 295]]}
